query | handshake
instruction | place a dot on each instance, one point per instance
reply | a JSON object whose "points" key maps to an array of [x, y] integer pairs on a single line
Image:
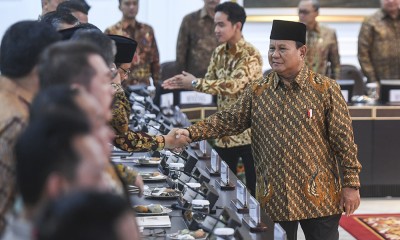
{"points": [[177, 138]]}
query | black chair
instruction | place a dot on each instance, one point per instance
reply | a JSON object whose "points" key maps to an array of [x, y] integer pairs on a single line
{"points": [[351, 72], [168, 70]]}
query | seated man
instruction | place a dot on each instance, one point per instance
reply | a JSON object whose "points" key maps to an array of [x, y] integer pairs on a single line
{"points": [[83, 65], [87, 215], [57, 153]]}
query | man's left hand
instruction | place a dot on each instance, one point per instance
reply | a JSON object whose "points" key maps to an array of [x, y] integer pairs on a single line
{"points": [[350, 200]]}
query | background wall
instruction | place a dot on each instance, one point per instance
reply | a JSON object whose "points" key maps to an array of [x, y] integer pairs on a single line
{"points": [[165, 17]]}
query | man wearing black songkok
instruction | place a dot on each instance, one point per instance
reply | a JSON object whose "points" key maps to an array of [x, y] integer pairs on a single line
{"points": [[301, 138]]}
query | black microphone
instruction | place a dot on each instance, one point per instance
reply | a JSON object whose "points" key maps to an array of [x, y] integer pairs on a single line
{"points": [[190, 162], [189, 174], [175, 177]]}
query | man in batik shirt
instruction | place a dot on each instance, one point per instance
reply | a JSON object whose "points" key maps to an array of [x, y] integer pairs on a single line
{"points": [[146, 61], [234, 64], [196, 40], [301, 138], [20, 48], [379, 43], [322, 47]]}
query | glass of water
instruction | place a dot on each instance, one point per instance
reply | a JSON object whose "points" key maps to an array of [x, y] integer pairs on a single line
{"points": [[200, 208]]}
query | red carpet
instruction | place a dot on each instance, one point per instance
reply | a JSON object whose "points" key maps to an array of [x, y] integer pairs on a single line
{"points": [[372, 226]]}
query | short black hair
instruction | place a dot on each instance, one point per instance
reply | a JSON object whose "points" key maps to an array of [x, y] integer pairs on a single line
{"points": [[72, 6], [22, 45], [99, 39], [47, 144], [66, 63], [82, 215], [234, 11], [56, 18]]}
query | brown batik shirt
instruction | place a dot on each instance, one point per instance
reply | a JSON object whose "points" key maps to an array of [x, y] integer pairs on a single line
{"points": [[14, 108], [379, 47], [301, 136], [146, 61], [323, 52], [196, 42], [229, 72], [125, 138]]}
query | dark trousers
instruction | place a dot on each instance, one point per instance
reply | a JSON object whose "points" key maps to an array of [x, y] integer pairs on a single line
{"points": [[325, 228], [231, 157]]}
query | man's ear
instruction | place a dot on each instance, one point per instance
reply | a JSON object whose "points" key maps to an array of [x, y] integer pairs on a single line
{"points": [[239, 26], [303, 51], [55, 185]]}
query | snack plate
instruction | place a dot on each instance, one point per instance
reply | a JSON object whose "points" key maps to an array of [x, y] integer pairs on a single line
{"points": [[165, 211], [148, 177], [158, 193], [178, 235], [147, 161]]}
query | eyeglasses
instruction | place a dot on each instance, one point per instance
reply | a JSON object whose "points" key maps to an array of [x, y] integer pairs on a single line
{"points": [[304, 12], [126, 71]]}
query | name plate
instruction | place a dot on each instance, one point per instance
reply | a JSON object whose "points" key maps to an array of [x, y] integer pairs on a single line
{"points": [[254, 210], [166, 100], [194, 97], [394, 95], [241, 193], [224, 173], [215, 161], [345, 94], [203, 146]]}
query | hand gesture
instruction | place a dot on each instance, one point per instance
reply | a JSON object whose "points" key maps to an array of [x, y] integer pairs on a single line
{"points": [[180, 81]]}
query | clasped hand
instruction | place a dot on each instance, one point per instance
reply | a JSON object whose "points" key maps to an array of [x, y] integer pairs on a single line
{"points": [[177, 138]]}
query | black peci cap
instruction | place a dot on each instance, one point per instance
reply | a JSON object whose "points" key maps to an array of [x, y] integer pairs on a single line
{"points": [[126, 48], [287, 30]]}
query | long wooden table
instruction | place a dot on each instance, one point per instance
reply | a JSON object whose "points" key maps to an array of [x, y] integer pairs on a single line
{"points": [[224, 200]]}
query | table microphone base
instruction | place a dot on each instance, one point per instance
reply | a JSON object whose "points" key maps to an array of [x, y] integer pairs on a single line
{"points": [[202, 156], [249, 223], [239, 206], [223, 186], [212, 172]]}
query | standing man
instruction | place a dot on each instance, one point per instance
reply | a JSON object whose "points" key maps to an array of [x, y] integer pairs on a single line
{"points": [[234, 65], [20, 48], [146, 61], [50, 5], [196, 40], [379, 43], [323, 52], [301, 138]]}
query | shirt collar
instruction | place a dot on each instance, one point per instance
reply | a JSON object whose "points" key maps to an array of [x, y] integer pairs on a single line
{"points": [[233, 49], [204, 13], [384, 15], [10, 86], [129, 23], [299, 80], [316, 28]]}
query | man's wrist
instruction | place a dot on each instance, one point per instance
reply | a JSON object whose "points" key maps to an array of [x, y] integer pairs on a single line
{"points": [[194, 83]]}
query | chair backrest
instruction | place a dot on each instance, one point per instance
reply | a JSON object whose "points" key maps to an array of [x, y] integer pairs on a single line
{"points": [[167, 70], [347, 72]]}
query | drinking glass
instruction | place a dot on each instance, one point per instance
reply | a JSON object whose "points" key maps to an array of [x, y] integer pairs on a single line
{"points": [[175, 172], [200, 208]]}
